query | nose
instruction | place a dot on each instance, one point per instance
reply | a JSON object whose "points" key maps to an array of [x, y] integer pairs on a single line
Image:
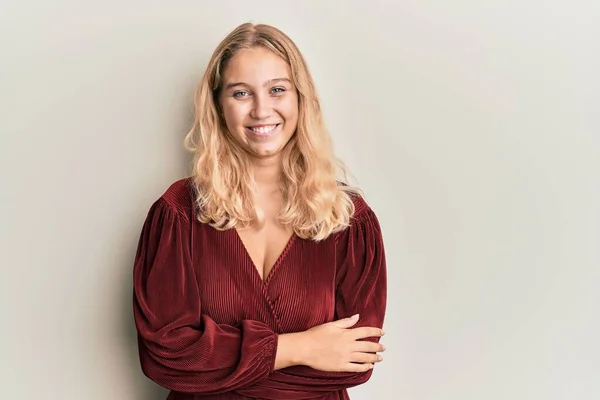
{"points": [[262, 108]]}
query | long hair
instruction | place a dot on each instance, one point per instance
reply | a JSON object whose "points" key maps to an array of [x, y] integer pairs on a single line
{"points": [[316, 204]]}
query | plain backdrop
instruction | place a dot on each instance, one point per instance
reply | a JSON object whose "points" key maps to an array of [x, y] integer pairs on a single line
{"points": [[472, 126]]}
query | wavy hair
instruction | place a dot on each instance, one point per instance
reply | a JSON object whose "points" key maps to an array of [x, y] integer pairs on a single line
{"points": [[316, 204]]}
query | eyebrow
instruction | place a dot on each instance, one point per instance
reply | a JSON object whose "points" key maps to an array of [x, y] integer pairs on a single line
{"points": [[267, 83]]}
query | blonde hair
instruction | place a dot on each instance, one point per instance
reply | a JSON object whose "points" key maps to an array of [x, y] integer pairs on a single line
{"points": [[315, 204]]}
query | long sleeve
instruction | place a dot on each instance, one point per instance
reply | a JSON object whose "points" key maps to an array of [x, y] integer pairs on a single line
{"points": [[179, 347], [361, 288]]}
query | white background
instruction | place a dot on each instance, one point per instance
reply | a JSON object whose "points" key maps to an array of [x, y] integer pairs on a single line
{"points": [[472, 126]]}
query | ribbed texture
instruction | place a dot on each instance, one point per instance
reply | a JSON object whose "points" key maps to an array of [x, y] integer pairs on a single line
{"points": [[207, 324]]}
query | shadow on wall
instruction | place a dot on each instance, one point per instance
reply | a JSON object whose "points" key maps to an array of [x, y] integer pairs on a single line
{"points": [[178, 162]]}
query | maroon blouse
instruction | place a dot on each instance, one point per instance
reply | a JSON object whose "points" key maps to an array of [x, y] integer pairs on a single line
{"points": [[208, 324]]}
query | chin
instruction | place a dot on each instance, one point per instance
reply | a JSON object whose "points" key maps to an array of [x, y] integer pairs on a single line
{"points": [[266, 146], [266, 152]]}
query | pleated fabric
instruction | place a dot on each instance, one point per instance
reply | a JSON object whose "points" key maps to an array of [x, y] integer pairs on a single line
{"points": [[208, 324]]}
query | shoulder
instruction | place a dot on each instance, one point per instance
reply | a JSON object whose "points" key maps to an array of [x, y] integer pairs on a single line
{"points": [[363, 221], [363, 235], [360, 206], [179, 198]]}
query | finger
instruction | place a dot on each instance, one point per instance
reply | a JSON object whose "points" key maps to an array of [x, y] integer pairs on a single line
{"points": [[346, 322], [367, 331], [368, 347], [352, 367], [365, 358]]}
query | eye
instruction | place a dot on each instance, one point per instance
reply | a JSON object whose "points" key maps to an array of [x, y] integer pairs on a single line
{"points": [[278, 90], [240, 93]]}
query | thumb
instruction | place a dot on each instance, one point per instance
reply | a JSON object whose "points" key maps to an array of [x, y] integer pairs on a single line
{"points": [[346, 322]]}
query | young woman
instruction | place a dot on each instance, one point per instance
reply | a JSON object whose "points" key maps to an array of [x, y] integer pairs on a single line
{"points": [[261, 276]]}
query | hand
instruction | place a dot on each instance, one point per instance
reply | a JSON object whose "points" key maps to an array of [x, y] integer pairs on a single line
{"points": [[335, 347]]}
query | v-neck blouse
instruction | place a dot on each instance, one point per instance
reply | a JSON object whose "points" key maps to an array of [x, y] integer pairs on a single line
{"points": [[208, 324], [278, 260]]}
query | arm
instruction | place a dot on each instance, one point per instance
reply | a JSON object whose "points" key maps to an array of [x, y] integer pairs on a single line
{"points": [[361, 288], [180, 348]]}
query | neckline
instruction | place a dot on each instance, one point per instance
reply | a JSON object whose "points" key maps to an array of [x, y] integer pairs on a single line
{"points": [[264, 280]]}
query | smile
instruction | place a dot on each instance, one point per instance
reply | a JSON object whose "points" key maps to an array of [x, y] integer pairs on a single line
{"points": [[263, 129]]}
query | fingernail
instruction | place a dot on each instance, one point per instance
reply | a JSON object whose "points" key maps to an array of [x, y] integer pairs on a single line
{"points": [[382, 332], [355, 316]]}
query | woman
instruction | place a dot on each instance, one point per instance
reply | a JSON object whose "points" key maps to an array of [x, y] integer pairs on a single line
{"points": [[249, 275]]}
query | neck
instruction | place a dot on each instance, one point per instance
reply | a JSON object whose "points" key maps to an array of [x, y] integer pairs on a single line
{"points": [[267, 172]]}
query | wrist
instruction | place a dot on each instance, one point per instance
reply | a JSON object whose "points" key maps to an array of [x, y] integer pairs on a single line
{"points": [[291, 350], [301, 348]]}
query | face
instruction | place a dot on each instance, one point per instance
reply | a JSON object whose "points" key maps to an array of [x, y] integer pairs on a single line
{"points": [[259, 101]]}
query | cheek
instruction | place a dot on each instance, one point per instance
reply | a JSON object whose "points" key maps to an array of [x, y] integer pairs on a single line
{"points": [[290, 110], [233, 114]]}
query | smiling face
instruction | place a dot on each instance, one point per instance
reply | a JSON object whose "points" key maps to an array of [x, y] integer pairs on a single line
{"points": [[259, 101]]}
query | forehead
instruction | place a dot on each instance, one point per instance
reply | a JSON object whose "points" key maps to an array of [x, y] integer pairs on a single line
{"points": [[255, 66]]}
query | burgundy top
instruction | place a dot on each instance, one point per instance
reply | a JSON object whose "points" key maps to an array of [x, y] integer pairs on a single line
{"points": [[208, 324]]}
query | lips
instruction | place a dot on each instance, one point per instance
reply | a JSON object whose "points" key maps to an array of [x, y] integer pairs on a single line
{"points": [[262, 130]]}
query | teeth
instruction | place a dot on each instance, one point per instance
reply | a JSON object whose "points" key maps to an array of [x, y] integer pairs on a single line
{"points": [[264, 129]]}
